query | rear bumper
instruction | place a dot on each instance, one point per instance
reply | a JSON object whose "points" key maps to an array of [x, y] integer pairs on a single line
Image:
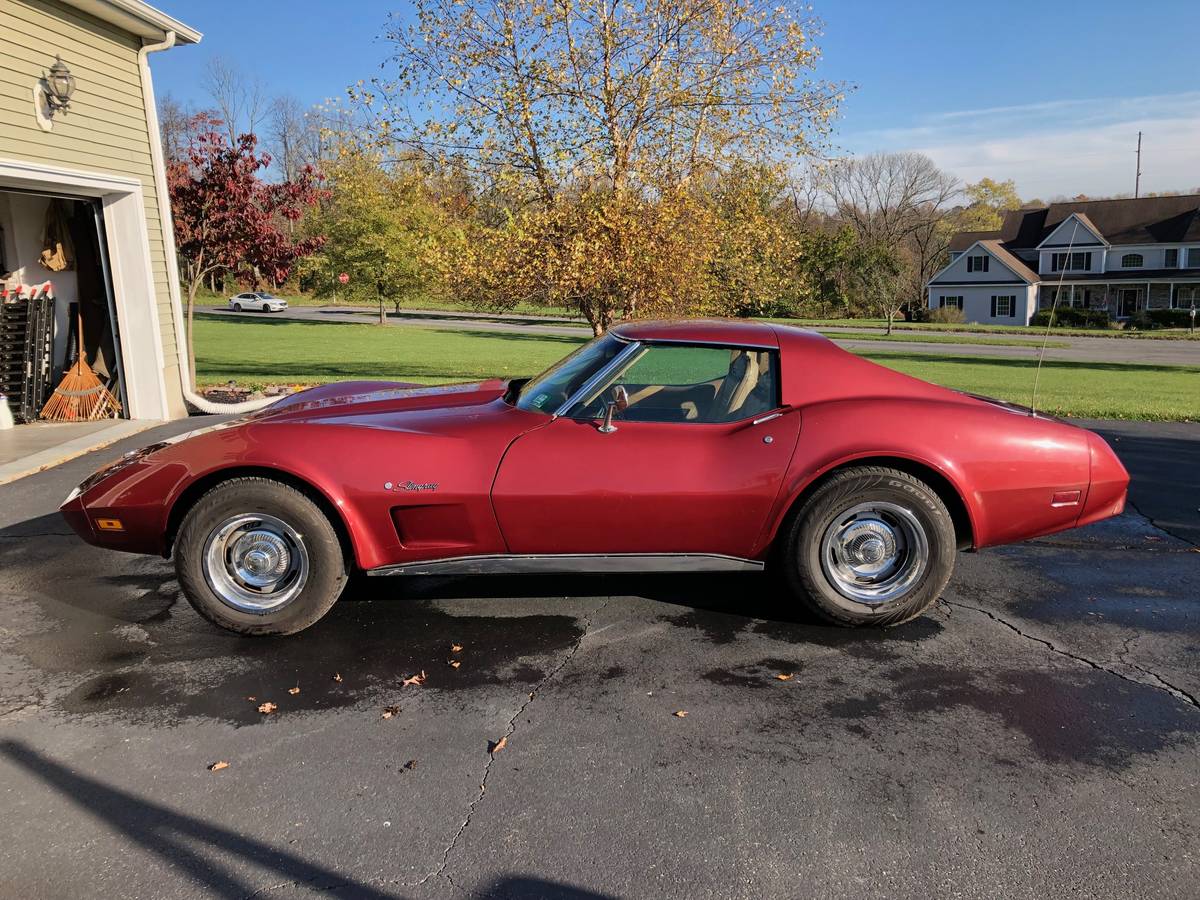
{"points": [[1109, 483]]}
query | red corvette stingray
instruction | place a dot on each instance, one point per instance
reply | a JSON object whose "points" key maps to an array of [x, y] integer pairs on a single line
{"points": [[662, 447]]}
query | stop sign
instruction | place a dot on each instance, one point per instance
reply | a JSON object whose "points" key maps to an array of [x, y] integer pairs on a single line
{"points": [[343, 278]]}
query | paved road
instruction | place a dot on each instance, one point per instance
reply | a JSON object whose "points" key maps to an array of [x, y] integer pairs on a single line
{"points": [[1080, 349], [1037, 734]]}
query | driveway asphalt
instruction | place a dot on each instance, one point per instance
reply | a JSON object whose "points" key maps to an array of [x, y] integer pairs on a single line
{"points": [[1036, 734], [1078, 349]]}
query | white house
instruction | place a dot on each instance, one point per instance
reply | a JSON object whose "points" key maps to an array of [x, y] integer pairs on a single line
{"points": [[1121, 256]]}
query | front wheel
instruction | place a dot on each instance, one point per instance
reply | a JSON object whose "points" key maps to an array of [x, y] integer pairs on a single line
{"points": [[237, 307], [871, 546], [256, 556]]}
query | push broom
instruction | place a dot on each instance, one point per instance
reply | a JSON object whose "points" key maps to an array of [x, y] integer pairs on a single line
{"points": [[82, 396]]}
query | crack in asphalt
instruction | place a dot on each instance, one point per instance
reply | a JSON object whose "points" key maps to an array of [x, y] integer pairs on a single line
{"points": [[1178, 537], [1159, 684], [440, 872]]}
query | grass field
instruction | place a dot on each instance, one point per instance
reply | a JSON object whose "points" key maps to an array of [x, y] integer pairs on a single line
{"points": [[278, 351], [926, 330]]}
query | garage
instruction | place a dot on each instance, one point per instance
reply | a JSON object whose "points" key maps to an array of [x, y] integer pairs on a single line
{"points": [[57, 303], [86, 226]]}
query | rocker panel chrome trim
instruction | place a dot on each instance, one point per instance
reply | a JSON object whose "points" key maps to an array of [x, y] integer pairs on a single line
{"points": [[574, 563]]}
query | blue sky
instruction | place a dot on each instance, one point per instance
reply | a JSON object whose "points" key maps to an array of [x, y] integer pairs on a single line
{"points": [[1049, 93]]}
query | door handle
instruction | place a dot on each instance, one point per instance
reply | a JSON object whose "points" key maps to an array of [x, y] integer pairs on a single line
{"points": [[766, 418]]}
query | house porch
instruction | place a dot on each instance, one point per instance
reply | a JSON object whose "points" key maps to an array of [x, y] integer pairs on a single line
{"points": [[1122, 298]]}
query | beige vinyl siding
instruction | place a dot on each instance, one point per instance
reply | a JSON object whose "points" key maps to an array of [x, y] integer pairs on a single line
{"points": [[105, 129]]}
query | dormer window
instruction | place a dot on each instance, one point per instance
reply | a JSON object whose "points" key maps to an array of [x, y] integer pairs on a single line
{"points": [[977, 263], [1171, 258], [1070, 262], [1132, 261]]}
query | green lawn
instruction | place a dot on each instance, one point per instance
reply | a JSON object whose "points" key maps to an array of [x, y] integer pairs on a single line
{"points": [[1162, 334], [278, 351]]}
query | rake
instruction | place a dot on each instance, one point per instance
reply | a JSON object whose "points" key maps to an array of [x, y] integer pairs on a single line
{"points": [[82, 396]]}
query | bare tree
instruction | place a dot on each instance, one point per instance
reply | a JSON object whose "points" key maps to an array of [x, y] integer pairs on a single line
{"points": [[286, 135], [240, 100], [886, 197], [177, 126], [900, 202]]}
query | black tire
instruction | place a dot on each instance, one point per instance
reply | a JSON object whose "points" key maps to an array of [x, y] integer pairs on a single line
{"points": [[313, 538], [923, 530], [237, 307]]}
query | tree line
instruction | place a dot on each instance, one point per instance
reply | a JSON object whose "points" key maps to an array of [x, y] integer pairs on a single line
{"points": [[656, 157]]}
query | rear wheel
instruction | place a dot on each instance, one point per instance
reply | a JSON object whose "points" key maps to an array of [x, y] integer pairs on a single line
{"points": [[259, 557], [871, 546]]}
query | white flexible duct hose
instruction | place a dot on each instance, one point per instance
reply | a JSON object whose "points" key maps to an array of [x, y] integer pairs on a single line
{"points": [[168, 226]]}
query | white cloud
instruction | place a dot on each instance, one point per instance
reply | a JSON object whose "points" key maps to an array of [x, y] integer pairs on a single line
{"points": [[1059, 147]]}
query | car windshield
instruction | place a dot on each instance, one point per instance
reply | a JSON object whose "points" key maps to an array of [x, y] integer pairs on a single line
{"points": [[550, 390]]}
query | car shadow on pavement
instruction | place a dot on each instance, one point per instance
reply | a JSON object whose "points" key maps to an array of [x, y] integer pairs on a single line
{"points": [[172, 835]]}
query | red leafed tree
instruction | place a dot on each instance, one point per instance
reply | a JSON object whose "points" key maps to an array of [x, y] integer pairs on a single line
{"points": [[228, 219]]}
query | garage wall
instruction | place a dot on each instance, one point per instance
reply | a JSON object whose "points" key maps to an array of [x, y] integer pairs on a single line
{"points": [[105, 129], [23, 216]]}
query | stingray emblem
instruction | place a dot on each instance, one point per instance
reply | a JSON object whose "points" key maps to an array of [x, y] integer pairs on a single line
{"points": [[411, 486]]}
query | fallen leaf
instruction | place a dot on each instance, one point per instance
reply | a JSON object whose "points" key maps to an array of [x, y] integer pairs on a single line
{"points": [[265, 708], [294, 690], [495, 747], [453, 663], [785, 676], [681, 713], [337, 676], [410, 765], [414, 679], [389, 711], [218, 766], [455, 648]]}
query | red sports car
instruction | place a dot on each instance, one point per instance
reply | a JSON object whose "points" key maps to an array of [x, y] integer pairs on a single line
{"points": [[661, 447]]}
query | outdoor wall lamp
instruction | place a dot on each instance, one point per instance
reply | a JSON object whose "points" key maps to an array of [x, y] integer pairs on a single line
{"points": [[59, 85]]}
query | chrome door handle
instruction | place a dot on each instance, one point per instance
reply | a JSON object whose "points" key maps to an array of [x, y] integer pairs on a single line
{"points": [[767, 418]]}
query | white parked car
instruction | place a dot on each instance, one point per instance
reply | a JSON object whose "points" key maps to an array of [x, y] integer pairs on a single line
{"points": [[260, 300]]}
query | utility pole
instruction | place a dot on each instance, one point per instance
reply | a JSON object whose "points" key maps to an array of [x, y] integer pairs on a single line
{"points": [[1137, 179]]}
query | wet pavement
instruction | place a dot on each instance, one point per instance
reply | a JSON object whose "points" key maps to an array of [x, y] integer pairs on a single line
{"points": [[1036, 734]]}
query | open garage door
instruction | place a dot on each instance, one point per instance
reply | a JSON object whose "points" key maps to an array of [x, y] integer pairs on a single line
{"points": [[55, 268]]}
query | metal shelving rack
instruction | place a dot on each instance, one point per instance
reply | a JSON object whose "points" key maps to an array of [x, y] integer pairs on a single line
{"points": [[26, 352]]}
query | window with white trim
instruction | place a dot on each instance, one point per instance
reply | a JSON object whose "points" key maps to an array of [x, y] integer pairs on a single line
{"points": [[1132, 261], [1004, 306], [1171, 258], [955, 301], [1070, 262], [1185, 295], [977, 263]]}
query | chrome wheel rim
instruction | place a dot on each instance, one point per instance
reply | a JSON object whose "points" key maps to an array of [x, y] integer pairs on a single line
{"points": [[255, 563], [875, 552]]}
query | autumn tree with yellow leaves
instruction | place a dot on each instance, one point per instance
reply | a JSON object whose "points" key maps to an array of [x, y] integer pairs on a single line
{"points": [[599, 125]]}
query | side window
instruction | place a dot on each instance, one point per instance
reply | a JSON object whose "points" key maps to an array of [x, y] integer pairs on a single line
{"points": [[681, 383]]}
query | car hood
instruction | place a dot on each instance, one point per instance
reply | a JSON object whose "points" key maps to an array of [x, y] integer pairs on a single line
{"points": [[380, 403]]}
